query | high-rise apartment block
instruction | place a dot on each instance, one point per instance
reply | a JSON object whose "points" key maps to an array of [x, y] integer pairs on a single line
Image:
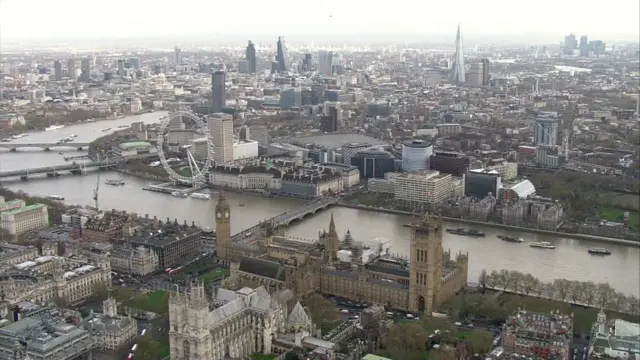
{"points": [[85, 67], [250, 56], [325, 62], [57, 70], [479, 73], [218, 91], [570, 44], [221, 130], [177, 56], [545, 131], [71, 69]]}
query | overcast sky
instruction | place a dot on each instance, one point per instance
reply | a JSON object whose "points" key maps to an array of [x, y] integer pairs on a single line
{"points": [[67, 19]]}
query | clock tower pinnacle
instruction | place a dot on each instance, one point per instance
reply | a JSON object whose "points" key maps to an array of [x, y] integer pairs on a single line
{"points": [[223, 227]]}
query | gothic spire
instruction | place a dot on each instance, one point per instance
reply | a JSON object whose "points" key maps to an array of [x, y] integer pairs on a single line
{"points": [[221, 198], [332, 226]]}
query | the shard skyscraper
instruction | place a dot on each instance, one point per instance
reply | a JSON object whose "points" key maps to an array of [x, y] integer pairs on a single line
{"points": [[457, 71], [282, 56]]}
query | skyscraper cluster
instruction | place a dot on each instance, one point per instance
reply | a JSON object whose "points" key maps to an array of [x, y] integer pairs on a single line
{"points": [[585, 47]]}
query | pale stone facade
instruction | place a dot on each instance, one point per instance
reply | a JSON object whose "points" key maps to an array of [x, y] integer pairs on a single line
{"points": [[56, 279], [243, 323], [137, 261], [111, 331]]}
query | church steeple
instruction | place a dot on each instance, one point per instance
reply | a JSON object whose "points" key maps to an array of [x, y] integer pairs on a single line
{"points": [[332, 227], [332, 241]]}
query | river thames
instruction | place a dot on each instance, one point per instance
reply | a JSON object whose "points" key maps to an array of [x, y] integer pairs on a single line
{"points": [[570, 259]]}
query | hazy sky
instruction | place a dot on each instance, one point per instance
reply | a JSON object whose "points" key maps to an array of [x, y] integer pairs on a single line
{"points": [[64, 19]]}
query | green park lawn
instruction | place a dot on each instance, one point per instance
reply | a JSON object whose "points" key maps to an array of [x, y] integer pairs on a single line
{"points": [[617, 215], [156, 301], [214, 275]]}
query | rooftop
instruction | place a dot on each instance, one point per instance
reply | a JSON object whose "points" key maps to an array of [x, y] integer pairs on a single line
{"points": [[23, 209], [134, 144]]}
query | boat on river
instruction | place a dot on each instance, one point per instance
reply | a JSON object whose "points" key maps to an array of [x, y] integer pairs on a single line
{"points": [[53, 127], [200, 196], [465, 232], [114, 182], [599, 251], [510, 239], [542, 245], [55, 197], [179, 194]]}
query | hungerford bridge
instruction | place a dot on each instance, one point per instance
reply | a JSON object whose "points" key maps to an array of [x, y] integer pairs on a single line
{"points": [[75, 168], [44, 146]]}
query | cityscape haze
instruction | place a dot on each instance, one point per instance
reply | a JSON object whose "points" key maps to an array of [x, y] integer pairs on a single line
{"points": [[328, 180]]}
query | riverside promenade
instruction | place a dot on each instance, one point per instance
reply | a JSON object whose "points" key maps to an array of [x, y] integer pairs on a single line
{"points": [[501, 226]]}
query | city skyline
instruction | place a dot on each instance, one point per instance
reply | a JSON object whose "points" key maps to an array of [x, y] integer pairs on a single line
{"points": [[144, 19]]}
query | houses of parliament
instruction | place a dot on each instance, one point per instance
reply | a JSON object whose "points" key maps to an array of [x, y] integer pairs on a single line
{"points": [[428, 278]]}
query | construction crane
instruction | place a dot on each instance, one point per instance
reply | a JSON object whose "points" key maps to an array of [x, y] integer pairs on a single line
{"points": [[95, 191]]}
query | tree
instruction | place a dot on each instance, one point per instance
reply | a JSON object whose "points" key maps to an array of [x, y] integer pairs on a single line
{"points": [[528, 283], [515, 281], [407, 341], [561, 288], [547, 290], [576, 291], [322, 311], [589, 294], [480, 341], [604, 293], [441, 354], [483, 279], [291, 356], [504, 279], [494, 278], [490, 307], [148, 349], [100, 291]]}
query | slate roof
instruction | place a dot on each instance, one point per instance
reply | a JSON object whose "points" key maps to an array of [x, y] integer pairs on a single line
{"points": [[298, 315], [236, 302], [264, 268]]}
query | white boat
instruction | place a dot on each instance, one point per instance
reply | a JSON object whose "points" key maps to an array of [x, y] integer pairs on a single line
{"points": [[542, 244], [19, 136], [73, 136], [201, 196], [55, 197], [123, 126], [106, 129], [54, 127], [179, 194], [114, 182]]}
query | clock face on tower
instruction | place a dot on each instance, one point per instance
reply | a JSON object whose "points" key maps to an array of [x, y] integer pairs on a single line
{"points": [[219, 215], [226, 214]]}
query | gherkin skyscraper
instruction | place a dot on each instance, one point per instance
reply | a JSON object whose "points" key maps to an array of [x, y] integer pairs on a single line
{"points": [[457, 71]]}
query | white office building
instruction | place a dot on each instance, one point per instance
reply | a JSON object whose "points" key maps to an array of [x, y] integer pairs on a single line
{"points": [[245, 149], [423, 188], [221, 130]]}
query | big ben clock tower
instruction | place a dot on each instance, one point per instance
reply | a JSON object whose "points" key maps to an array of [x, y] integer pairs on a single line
{"points": [[223, 227]]}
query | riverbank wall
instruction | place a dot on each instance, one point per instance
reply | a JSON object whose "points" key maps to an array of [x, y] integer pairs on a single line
{"points": [[140, 175], [500, 226]]}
